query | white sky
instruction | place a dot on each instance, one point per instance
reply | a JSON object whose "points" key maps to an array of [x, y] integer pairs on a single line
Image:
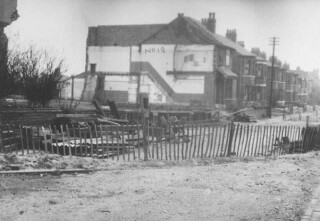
{"points": [[62, 25]]}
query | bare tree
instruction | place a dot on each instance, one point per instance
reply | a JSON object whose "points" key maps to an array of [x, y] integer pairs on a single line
{"points": [[35, 74]]}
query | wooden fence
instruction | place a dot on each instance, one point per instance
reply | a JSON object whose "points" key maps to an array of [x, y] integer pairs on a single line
{"points": [[167, 142]]}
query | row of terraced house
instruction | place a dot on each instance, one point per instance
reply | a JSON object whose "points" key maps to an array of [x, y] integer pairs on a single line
{"points": [[184, 62]]}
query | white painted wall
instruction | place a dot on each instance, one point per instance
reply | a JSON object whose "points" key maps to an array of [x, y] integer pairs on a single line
{"points": [[163, 58], [110, 59], [202, 58]]}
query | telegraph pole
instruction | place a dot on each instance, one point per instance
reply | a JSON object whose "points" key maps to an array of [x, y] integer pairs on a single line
{"points": [[273, 41]]}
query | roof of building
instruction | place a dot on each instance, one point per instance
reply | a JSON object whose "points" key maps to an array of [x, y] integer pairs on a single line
{"points": [[181, 30], [227, 72], [120, 35], [222, 39]]}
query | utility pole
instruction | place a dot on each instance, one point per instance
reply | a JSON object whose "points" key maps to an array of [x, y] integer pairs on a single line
{"points": [[273, 41]]}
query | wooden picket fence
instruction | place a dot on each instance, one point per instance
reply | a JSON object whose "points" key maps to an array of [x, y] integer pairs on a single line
{"points": [[167, 142]]}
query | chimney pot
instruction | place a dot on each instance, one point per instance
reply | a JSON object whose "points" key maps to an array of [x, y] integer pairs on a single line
{"points": [[211, 23]]}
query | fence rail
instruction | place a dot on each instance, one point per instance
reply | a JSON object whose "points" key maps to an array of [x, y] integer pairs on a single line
{"points": [[173, 141]]}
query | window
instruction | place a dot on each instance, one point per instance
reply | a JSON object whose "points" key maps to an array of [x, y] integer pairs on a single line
{"points": [[259, 70], [227, 57], [246, 67], [188, 58], [93, 68]]}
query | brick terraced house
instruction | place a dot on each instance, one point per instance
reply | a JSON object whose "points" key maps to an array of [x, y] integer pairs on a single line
{"points": [[183, 62]]}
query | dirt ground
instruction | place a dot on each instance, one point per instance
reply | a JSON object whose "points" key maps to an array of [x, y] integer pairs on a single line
{"points": [[273, 188]]}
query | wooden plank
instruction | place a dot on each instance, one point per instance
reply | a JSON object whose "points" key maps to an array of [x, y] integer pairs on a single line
{"points": [[294, 134], [32, 140], [257, 141], [80, 136], [211, 141], [226, 139], [272, 139], [130, 137], [208, 142], [251, 140], [15, 135], [74, 140], [152, 143], [182, 133], [246, 141], [178, 140], [118, 146], [45, 139], [34, 172], [128, 140], [123, 146], [138, 129], [191, 141], [264, 134], [203, 141], [195, 140], [96, 135], [165, 143], [199, 143], [102, 140], [39, 140], [63, 141], [187, 139], [91, 143], [157, 143], [107, 142], [69, 145], [235, 139], [170, 141], [279, 138], [56, 134], [238, 147], [220, 131], [21, 139]]}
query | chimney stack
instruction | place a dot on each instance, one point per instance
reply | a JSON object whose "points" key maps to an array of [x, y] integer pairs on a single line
{"points": [[263, 55], [286, 66], [180, 14], [204, 22], [241, 43], [211, 22], [232, 35], [256, 51]]}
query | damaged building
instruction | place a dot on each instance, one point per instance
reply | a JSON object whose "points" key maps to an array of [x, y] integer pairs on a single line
{"points": [[184, 62]]}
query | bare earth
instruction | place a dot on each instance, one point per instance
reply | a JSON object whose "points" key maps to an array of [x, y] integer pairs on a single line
{"points": [[276, 188]]}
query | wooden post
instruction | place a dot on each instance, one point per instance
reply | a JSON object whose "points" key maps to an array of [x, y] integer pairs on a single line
{"points": [[63, 146], [21, 138], [144, 130], [45, 139], [307, 121], [72, 88], [69, 140], [230, 138]]}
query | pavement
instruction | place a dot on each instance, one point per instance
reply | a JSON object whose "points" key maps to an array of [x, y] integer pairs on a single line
{"points": [[312, 213]]}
